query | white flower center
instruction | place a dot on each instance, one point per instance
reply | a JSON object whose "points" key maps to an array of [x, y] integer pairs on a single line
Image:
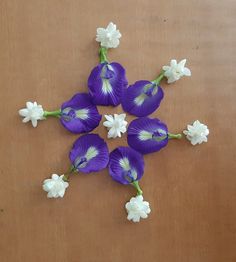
{"points": [[109, 35]]}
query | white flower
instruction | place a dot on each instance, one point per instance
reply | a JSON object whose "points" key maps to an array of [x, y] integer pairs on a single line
{"points": [[116, 125], [55, 186], [176, 70], [137, 208], [33, 112], [196, 133], [108, 37]]}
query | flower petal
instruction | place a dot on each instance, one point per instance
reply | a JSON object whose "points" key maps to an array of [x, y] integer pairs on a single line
{"points": [[93, 149], [79, 114], [29, 105], [187, 71], [23, 112], [26, 119], [34, 122], [182, 63], [125, 160], [142, 136], [138, 102], [107, 91]]}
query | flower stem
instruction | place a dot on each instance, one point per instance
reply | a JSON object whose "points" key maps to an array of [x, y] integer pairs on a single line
{"points": [[136, 185], [174, 136], [56, 113], [159, 78], [68, 173], [103, 54]]}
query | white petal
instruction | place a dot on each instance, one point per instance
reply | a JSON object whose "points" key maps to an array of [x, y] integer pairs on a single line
{"points": [[136, 218], [130, 216], [123, 129], [112, 133], [111, 27], [55, 176], [120, 117], [143, 214], [173, 63], [165, 68], [182, 63], [108, 124], [101, 31], [194, 141], [114, 44], [128, 205], [187, 72], [29, 105], [61, 193], [118, 133], [23, 112], [171, 80], [117, 34], [109, 118], [26, 119], [50, 194], [34, 122]]}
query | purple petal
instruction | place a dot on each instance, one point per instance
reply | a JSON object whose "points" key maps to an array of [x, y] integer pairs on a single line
{"points": [[147, 135], [106, 84], [126, 165], [89, 153], [142, 98], [79, 114]]}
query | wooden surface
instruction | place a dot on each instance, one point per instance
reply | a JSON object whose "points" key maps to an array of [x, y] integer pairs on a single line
{"points": [[47, 51]]}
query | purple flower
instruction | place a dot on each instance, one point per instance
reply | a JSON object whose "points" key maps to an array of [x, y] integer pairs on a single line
{"points": [[79, 114], [142, 98], [147, 135], [106, 83], [89, 153], [126, 165]]}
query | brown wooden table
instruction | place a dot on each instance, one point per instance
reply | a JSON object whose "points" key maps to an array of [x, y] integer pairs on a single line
{"points": [[47, 51]]}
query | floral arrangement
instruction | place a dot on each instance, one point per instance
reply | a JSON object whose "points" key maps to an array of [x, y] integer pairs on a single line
{"points": [[108, 86]]}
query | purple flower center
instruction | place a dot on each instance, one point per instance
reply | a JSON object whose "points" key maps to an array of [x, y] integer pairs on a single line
{"points": [[128, 176], [149, 90], [158, 135], [80, 162], [106, 72], [68, 115]]}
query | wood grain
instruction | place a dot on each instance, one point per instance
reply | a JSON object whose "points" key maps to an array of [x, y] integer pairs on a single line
{"points": [[47, 51]]}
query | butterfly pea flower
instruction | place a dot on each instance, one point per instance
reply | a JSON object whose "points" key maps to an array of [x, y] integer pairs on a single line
{"points": [[78, 115], [88, 154], [126, 165], [147, 135], [143, 97], [106, 83]]}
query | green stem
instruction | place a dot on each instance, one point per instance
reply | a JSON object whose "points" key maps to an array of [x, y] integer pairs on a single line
{"points": [[56, 113], [174, 136], [136, 185], [103, 54], [159, 78], [68, 173]]}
